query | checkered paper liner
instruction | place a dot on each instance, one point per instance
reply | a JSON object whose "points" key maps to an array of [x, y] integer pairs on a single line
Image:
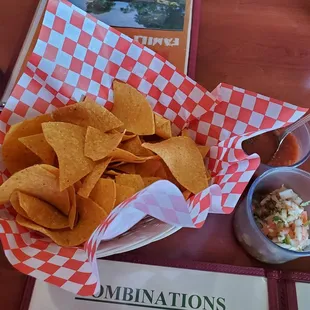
{"points": [[77, 55]]}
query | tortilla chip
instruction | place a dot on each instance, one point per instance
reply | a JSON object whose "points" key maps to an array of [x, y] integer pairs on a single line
{"points": [[38, 182], [162, 127], [41, 212], [124, 167], [185, 133], [184, 161], [163, 171], [51, 169], [134, 146], [122, 155], [90, 216], [104, 194], [132, 108], [170, 177], [112, 172], [131, 180], [112, 165], [77, 185], [72, 216], [71, 193], [92, 178], [87, 113], [150, 180], [14, 200], [127, 136], [99, 145], [204, 150], [67, 140], [186, 194], [150, 168], [123, 192], [38, 145], [17, 156]]}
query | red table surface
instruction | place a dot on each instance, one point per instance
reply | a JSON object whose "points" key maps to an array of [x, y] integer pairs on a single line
{"points": [[260, 45]]}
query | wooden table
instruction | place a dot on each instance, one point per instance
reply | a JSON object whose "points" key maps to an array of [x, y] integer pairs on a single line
{"points": [[260, 45]]}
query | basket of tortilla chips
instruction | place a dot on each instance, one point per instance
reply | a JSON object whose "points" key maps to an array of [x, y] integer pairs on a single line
{"points": [[145, 152]]}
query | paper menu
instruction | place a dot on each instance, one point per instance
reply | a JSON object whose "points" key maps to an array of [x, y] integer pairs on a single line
{"points": [[147, 282], [139, 286], [303, 296]]}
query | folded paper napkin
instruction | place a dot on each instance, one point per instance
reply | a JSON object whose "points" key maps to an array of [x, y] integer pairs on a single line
{"points": [[78, 55]]}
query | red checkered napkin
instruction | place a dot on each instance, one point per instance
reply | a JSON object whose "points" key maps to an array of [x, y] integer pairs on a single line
{"points": [[78, 55], [238, 115]]}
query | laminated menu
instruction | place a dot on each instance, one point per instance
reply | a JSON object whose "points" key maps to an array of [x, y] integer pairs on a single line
{"points": [[178, 284]]}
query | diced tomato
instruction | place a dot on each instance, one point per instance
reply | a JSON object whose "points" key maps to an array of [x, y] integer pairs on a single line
{"points": [[304, 216], [291, 234], [272, 225], [265, 230], [289, 231]]}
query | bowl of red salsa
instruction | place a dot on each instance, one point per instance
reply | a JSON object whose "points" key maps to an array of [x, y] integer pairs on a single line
{"points": [[293, 152]]}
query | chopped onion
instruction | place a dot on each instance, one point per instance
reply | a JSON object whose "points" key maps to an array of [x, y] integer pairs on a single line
{"points": [[298, 200], [286, 194], [298, 233], [298, 222], [280, 215]]}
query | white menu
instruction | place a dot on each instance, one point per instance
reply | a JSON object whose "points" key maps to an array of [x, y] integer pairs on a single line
{"points": [[303, 295], [137, 287]]}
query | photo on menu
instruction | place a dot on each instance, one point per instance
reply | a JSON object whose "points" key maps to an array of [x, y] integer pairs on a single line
{"points": [[162, 25], [148, 14]]}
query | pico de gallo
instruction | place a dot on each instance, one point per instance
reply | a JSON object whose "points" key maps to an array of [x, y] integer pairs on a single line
{"points": [[282, 218]]}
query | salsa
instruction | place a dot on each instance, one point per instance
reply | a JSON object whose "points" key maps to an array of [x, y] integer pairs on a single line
{"points": [[265, 146], [288, 153], [282, 218]]}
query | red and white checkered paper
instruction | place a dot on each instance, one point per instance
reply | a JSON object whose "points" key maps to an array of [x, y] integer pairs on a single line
{"points": [[78, 55]]}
